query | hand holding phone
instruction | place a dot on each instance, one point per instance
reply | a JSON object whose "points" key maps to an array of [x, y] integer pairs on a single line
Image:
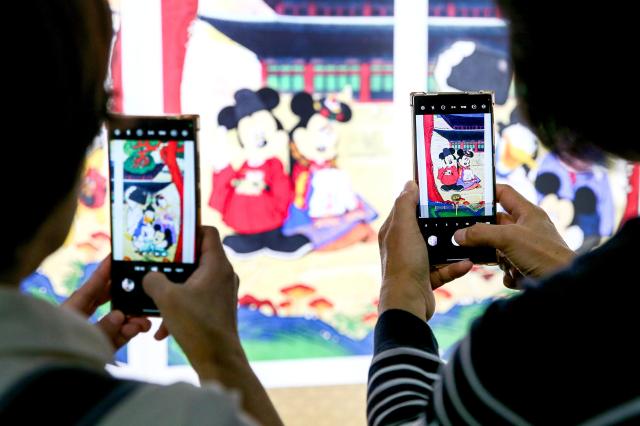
{"points": [[454, 168], [154, 204]]}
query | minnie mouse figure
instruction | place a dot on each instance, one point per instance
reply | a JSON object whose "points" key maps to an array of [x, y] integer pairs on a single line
{"points": [[325, 207], [467, 179]]}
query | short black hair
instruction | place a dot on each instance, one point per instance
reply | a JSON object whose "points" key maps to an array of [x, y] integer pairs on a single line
{"points": [[573, 75], [54, 91]]}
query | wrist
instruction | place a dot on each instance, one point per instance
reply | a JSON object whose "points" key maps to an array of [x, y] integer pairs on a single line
{"points": [[222, 363], [408, 295]]}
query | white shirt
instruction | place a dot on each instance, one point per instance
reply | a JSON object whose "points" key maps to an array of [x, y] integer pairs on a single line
{"points": [[34, 333]]}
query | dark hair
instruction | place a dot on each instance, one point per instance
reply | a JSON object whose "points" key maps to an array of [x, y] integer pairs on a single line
{"points": [[57, 100], [564, 73]]}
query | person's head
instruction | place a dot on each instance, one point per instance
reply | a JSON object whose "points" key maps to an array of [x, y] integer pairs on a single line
{"points": [[56, 100], [572, 75]]}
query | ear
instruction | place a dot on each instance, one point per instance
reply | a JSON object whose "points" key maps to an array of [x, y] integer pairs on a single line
{"points": [[302, 105], [460, 153], [470, 154], [585, 200], [269, 97], [547, 183], [346, 112], [227, 117]]}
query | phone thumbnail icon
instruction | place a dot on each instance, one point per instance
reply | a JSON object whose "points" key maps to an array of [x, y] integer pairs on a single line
{"points": [[128, 285]]}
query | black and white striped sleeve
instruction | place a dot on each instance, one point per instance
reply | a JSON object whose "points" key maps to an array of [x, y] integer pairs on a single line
{"points": [[403, 370], [409, 384]]}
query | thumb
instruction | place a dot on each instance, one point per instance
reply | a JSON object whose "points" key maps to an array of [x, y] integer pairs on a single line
{"points": [[486, 235], [405, 206], [157, 286]]}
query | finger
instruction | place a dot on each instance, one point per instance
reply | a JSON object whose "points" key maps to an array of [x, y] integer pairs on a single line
{"points": [[485, 235], [512, 201], [211, 252], [384, 229], [130, 330], [143, 323], [162, 332], [111, 324], [441, 276], [94, 292], [405, 206], [158, 288]]}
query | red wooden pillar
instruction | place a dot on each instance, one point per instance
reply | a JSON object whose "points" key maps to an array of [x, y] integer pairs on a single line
{"points": [[367, 10], [308, 78], [365, 82], [312, 9], [451, 9], [265, 72]]}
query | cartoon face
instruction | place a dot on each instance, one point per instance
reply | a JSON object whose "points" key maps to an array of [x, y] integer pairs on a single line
{"points": [[161, 239], [315, 136], [464, 158], [448, 158], [318, 141], [161, 202], [144, 239], [149, 216], [257, 132]]}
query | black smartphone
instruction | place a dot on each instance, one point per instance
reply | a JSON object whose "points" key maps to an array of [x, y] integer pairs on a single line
{"points": [[453, 147], [155, 205]]}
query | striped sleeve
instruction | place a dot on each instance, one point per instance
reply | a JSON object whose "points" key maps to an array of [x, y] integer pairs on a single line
{"points": [[409, 384], [403, 370]]}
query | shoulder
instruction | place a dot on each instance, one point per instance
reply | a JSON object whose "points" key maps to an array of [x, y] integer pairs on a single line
{"points": [[179, 403]]}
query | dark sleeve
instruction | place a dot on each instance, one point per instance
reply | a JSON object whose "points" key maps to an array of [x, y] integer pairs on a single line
{"points": [[409, 383], [403, 369], [541, 357]]}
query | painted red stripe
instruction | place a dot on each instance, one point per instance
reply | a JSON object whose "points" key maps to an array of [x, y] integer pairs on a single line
{"points": [[117, 97], [177, 16], [432, 189]]}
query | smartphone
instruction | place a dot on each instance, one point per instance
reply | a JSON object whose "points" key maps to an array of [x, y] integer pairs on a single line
{"points": [[155, 205], [453, 146]]}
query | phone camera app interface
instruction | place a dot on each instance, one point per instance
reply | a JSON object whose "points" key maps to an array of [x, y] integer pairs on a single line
{"points": [[454, 164], [153, 217]]}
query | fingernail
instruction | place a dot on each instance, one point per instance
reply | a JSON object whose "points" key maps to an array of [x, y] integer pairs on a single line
{"points": [[459, 236], [410, 186]]}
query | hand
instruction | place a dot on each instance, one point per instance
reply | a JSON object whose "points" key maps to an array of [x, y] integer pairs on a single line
{"points": [[94, 293], [201, 313], [407, 281], [202, 316], [527, 242]]}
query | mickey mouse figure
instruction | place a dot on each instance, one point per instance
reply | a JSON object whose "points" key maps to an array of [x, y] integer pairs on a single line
{"points": [[325, 207], [577, 220], [448, 172], [254, 199]]}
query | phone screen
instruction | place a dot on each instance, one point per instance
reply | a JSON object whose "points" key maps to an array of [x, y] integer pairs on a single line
{"points": [[154, 204], [454, 168]]}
